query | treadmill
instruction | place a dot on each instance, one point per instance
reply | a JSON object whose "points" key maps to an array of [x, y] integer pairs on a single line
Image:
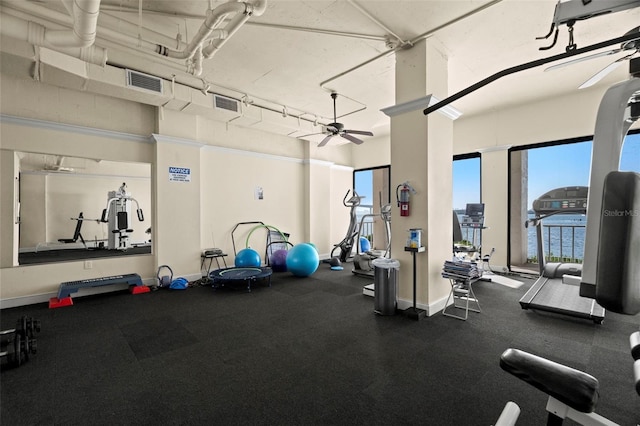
{"points": [[558, 287]]}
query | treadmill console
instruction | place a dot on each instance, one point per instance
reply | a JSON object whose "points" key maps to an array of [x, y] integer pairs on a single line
{"points": [[474, 216], [572, 199]]}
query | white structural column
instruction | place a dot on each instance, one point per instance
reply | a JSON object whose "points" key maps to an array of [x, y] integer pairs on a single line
{"points": [[317, 207], [495, 187], [421, 153], [177, 189]]}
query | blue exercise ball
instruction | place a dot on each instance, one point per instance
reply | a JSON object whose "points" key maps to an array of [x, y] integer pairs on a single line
{"points": [[365, 245], [247, 258], [302, 260], [279, 261]]}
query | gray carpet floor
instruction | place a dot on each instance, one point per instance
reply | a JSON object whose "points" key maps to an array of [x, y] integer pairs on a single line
{"points": [[305, 351]]}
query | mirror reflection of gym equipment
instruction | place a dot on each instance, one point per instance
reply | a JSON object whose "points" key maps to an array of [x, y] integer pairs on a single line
{"points": [[117, 214], [110, 236]]}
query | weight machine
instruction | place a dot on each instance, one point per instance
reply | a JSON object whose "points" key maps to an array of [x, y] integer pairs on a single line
{"points": [[117, 214], [610, 274]]}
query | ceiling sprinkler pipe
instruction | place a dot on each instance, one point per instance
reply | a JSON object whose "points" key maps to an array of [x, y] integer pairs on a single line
{"points": [[229, 31], [258, 8], [213, 20]]}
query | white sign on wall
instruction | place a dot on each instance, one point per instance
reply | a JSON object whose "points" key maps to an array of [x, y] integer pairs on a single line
{"points": [[179, 174]]}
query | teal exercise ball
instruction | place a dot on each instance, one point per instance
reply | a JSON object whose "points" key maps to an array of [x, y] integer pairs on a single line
{"points": [[247, 258], [302, 260], [365, 245]]}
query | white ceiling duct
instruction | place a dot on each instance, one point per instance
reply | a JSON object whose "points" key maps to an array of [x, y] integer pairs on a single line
{"points": [[39, 35]]}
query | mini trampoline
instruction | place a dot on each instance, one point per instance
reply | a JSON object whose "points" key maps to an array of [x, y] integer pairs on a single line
{"points": [[222, 277]]}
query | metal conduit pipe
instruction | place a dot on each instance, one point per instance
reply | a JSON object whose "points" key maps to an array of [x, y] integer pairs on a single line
{"points": [[410, 43], [375, 21]]}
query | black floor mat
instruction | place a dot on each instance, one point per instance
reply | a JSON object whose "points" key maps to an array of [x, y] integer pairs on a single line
{"points": [[152, 337]]}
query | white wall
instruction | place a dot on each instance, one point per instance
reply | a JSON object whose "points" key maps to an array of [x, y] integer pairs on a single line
{"points": [[227, 163], [228, 197]]}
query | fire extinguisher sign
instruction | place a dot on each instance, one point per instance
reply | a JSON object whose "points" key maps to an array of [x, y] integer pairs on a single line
{"points": [[179, 174]]}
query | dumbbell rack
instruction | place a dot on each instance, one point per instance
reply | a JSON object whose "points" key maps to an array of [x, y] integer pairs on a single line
{"points": [[17, 344]]}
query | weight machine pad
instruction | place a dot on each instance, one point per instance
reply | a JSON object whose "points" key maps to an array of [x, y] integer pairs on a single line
{"points": [[618, 269], [572, 387], [634, 342]]}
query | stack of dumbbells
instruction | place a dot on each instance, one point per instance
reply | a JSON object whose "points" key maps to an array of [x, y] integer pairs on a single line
{"points": [[18, 344]]}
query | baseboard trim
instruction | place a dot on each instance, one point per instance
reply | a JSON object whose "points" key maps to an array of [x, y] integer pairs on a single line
{"points": [[431, 308]]}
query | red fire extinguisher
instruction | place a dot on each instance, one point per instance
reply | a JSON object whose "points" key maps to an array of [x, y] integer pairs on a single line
{"points": [[403, 199]]}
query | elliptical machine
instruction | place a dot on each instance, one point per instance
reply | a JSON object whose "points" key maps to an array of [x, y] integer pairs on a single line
{"points": [[362, 261], [346, 245]]}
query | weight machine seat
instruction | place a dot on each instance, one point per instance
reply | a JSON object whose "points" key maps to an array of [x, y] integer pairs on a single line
{"points": [[634, 342], [618, 275], [572, 387], [636, 375]]}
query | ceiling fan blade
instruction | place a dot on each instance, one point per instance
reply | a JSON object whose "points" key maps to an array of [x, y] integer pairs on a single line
{"points": [[603, 72], [584, 58], [351, 138], [359, 132], [324, 141]]}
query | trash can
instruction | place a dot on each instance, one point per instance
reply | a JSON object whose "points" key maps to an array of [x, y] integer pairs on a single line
{"points": [[385, 282]]}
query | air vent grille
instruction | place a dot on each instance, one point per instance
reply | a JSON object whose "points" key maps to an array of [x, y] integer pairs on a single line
{"points": [[229, 104], [144, 81]]}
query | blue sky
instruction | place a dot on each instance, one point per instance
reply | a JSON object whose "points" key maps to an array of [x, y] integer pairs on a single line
{"points": [[569, 165], [364, 181], [549, 168], [466, 182]]}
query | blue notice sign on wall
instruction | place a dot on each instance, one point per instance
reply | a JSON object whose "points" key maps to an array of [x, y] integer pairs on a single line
{"points": [[179, 174]]}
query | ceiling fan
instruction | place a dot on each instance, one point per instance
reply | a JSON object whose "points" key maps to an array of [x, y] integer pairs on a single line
{"points": [[335, 129], [632, 46]]}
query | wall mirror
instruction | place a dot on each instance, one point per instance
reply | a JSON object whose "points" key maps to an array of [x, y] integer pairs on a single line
{"points": [[72, 208]]}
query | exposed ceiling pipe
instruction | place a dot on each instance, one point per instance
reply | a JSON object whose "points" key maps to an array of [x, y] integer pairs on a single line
{"points": [[34, 33], [213, 20], [376, 21], [85, 21], [411, 42], [234, 25], [252, 24], [121, 39]]}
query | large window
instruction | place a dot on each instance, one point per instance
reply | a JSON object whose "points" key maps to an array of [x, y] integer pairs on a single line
{"points": [[466, 190], [538, 169], [374, 186]]}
